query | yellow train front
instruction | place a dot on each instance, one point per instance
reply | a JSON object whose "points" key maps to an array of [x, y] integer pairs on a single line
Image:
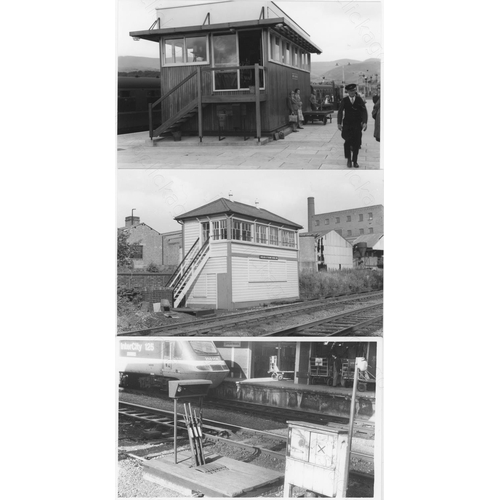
{"points": [[146, 363]]}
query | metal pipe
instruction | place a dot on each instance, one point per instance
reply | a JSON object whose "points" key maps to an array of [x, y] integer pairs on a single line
{"points": [[351, 428]]}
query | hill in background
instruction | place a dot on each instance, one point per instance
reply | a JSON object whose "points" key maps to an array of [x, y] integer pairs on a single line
{"points": [[128, 64], [328, 69]]}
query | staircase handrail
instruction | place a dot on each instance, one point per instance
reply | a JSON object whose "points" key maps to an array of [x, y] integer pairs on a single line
{"points": [[163, 97], [179, 267], [191, 264]]}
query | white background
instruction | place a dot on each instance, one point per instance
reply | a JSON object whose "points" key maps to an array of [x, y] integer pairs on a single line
{"points": [[440, 97]]}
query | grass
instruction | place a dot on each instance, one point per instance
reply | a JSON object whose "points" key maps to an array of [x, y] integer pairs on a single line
{"points": [[315, 285]]}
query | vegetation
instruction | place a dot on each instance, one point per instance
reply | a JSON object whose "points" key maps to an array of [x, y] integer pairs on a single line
{"points": [[315, 285], [124, 250]]}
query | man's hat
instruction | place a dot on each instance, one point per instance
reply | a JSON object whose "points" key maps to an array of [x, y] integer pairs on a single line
{"points": [[351, 86]]}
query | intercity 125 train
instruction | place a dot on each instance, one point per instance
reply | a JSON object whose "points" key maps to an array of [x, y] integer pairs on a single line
{"points": [[149, 363]]}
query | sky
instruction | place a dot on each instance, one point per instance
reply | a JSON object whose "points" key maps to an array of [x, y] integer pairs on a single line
{"points": [[160, 195], [341, 28]]}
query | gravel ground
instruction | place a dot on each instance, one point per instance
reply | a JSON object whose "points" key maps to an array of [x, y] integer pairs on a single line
{"points": [[135, 437], [140, 320], [287, 322]]}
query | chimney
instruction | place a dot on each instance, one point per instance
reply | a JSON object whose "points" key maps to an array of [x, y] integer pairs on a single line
{"points": [[132, 221], [310, 214]]}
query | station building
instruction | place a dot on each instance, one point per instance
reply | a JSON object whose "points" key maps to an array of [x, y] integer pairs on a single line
{"points": [[349, 223], [235, 255], [324, 251], [315, 377], [228, 67]]}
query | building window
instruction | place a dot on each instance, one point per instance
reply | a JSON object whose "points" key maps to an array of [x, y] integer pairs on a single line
{"points": [[361, 231], [136, 251], [370, 216], [220, 229], [348, 218], [261, 234], [370, 230], [288, 238], [273, 236], [316, 222], [360, 217], [349, 232], [185, 51], [327, 222], [205, 231], [337, 220], [242, 231]]}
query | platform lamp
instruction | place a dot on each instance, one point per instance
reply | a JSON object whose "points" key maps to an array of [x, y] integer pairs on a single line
{"points": [[360, 365]]}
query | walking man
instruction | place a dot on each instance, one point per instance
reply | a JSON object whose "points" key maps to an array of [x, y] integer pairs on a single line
{"points": [[351, 120]]}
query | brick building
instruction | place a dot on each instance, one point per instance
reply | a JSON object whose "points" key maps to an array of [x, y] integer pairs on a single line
{"points": [[151, 246], [349, 223]]}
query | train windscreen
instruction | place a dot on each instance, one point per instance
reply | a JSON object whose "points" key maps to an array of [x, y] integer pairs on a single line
{"points": [[203, 347]]}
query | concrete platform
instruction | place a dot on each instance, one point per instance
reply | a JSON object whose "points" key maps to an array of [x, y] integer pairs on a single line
{"points": [[334, 401], [313, 147], [222, 477]]}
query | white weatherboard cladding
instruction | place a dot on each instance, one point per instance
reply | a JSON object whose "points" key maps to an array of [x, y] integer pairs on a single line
{"points": [[244, 290], [191, 234], [204, 290], [337, 251]]}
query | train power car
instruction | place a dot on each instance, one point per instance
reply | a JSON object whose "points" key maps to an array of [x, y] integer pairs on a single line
{"points": [[148, 363], [134, 96]]}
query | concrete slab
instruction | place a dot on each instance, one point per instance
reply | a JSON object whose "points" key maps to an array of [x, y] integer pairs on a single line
{"points": [[312, 142]]}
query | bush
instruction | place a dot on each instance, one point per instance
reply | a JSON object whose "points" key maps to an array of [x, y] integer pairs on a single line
{"points": [[152, 268], [314, 285]]}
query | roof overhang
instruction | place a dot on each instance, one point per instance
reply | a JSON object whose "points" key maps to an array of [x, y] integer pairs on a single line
{"points": [[279, 24]]}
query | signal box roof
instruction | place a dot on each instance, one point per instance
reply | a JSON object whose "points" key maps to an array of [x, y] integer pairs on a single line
{"points": [[223, 206], [220, 16]]}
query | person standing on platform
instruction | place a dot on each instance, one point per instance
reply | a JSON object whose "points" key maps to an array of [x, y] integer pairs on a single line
{"points": [[298, 101], [376, 117], [292, 110], [313, 101], [375, 97], [351, 121]]}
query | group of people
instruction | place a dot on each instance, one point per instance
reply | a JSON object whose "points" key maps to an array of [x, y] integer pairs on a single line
{"points": [[352, 119], [296, 117]]}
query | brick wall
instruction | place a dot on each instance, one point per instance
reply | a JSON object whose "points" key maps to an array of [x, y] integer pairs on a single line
{"points": [[143, 280]]}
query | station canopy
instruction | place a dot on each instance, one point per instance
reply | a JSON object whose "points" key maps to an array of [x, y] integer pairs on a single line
{"points": [[226, 15]]}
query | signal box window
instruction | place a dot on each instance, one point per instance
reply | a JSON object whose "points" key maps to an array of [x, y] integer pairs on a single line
{"points": [[185, 51], [273, 236]]}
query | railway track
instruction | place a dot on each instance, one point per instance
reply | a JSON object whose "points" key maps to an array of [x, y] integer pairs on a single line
{"points": [[359, 322], [223, 431], [248, 318]]}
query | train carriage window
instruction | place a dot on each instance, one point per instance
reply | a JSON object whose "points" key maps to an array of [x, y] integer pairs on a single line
{"points": [[152, 95], [203, 347], [126, 101]]}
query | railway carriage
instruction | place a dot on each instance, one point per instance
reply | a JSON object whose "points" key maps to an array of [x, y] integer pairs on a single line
{"points": [[152, 363], [134, 96]]}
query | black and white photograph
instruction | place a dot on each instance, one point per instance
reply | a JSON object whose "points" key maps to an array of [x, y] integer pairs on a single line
{"points": [[250, 256], [249, 84], [248, 418]]}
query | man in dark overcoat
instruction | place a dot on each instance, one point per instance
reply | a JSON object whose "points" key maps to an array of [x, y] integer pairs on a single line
{"points": [[351, 120]]}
